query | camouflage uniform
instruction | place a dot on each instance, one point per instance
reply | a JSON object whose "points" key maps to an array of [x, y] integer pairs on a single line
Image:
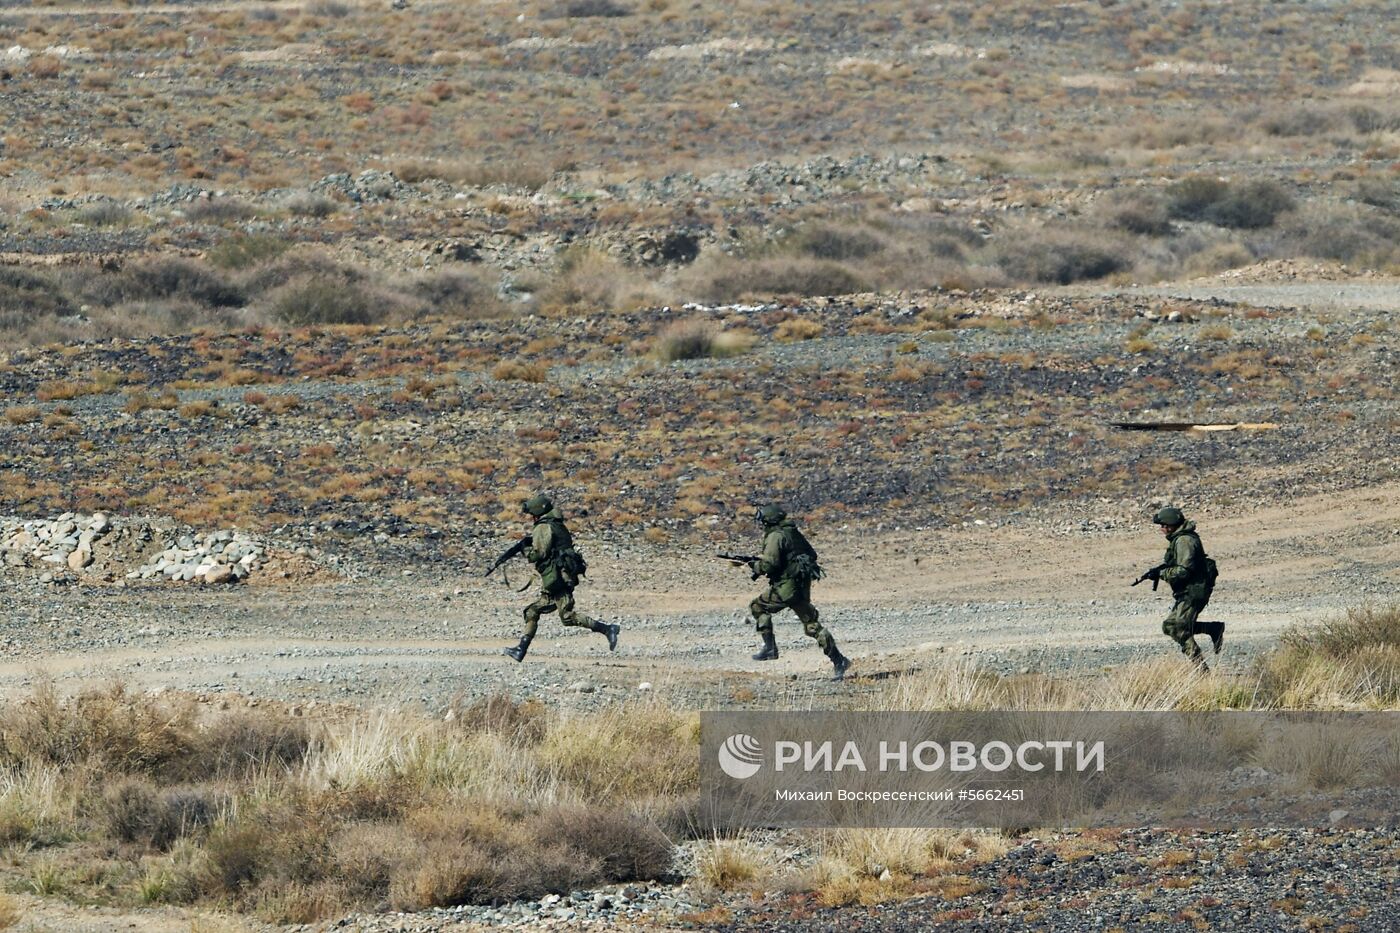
{"points": [[551, 550], [1185, 572], [790, 564]]}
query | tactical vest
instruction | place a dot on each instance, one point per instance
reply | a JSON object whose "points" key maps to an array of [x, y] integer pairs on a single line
{"points": [[563, 562], [1204, 577]]}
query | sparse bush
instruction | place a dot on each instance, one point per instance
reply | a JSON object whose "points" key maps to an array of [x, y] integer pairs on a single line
{"points": [[1058, 256], [336, 9], [219, 210], [1379, 191], [1299, 121], [1358, 629], [1138, 212], [729, 279], [520, 370], [310, 204], [1342, 233], [592, 280], [1191, 197], [135, 810], [321, 300], [515, 173], [1251, 204], [798, 328], [105, 213], [26, 293], [459, 294], [245, 251], [1243, 205], [581, 9], [22, 414], [289, 265], [828, 241], [1219, 258], [697, 339], [164, 278], [625, 847]]}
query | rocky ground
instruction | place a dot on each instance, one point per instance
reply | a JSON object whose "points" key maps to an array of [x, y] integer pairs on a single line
{"points": [[199, 493]]}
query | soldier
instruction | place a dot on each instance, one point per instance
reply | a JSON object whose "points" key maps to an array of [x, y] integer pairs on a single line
{"points": [[1191, 575], [551, 550], [790, 564]]}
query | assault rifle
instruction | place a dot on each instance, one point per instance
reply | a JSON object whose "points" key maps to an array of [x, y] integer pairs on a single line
{"points": [[1154, 574], [515, 550], [748, 559]]}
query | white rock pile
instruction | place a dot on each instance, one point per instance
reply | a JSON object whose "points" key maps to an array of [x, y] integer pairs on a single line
{"points": [[65, 541], [75, 546], [219, 557]]}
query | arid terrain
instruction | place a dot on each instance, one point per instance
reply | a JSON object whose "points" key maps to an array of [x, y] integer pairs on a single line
{"points": [[299, 300]]}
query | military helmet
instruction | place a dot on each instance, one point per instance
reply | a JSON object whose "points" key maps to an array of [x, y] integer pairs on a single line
{"points": [[537, 505], [1170, 516], [770, 514]]}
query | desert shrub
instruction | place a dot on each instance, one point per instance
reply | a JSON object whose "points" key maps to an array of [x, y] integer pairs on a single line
{"points": [[1243, 205], [829, 241], [523, 723], [316, 299], [1138, 212], [283, 840], [245, 743], [515, 173], [104, 214], [1356, 630], [1299, 121], [336, 9], [581, 9], [459, 294], [1219, 257], [286, 266], [1379, 192], [520, 370], [164, 278], [1174, 133], [697, 339], [732, 279], [166, 316], [219, 210], [1251, 204], [310, 204], [1058, 256], [135, 810], [625, 847], [1369, 120], [110, 727], [245, 251], [1345, 234], [28, 293], [1191, 197], [940, 236]]}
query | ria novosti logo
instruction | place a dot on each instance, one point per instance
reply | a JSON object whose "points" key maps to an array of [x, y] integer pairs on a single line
{"points": [[740, 756]]}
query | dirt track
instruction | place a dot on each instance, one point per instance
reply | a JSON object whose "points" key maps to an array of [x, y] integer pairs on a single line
{"points": [[1014, 599]]}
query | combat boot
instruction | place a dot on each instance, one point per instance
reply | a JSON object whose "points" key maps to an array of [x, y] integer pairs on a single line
{"points": [[840, 663], [518, 652], [1216, 631], [610, 630], [769, 651], [1200, 661]]}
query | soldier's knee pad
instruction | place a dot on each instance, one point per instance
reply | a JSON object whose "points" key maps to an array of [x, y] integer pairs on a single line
{"points": [[813, 628]]}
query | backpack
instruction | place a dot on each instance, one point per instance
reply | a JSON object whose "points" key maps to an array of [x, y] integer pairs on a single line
{"points": [[802, 566], [1209, 576]]}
